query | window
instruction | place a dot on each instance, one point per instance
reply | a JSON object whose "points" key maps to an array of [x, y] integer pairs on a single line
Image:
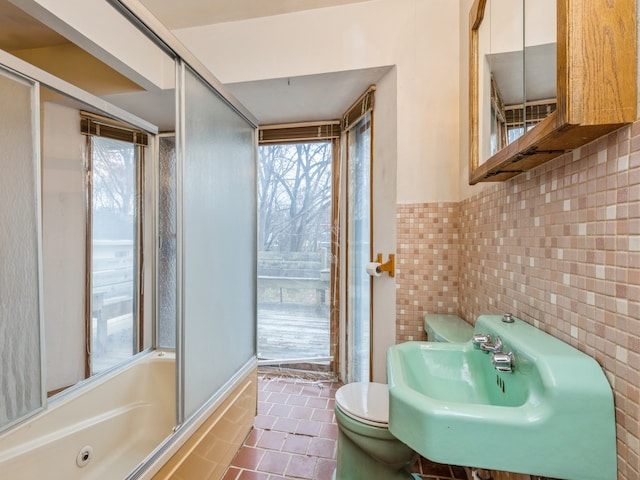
{"points": [[113, 245], [301, 213], [359, 253], [294, 253]]}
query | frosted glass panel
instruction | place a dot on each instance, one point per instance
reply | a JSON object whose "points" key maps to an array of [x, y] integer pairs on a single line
{"points": [[219, 223], [167, 236], [20, 358]]}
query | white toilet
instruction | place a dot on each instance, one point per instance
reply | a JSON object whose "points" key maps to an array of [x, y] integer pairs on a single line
{"points": [[366, 448]]}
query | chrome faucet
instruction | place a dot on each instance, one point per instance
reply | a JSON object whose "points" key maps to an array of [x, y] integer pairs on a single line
{"points": [[480, 339], [503, 362], [493, 347]]}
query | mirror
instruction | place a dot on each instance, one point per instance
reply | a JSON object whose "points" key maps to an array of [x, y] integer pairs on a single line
{"points": [[540, 45], [513, 71]]}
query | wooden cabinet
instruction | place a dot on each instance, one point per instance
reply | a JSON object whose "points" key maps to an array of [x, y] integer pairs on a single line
{"points": [[596, 86]]}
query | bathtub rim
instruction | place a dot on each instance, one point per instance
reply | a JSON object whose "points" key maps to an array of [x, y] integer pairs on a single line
{"points": [[101, 377], [84, 385]]}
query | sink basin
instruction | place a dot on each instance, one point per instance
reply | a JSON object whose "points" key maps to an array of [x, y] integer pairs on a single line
{"points": [[446, 373], [553, 415]]}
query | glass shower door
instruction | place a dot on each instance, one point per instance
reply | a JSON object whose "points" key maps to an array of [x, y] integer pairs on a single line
{"points": [[217, 202]]}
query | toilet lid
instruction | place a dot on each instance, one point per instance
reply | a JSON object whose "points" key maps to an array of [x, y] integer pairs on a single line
{"points": [[365, 402]]}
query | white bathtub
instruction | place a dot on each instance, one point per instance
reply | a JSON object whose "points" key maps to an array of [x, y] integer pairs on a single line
{"points": [[121, 417]]}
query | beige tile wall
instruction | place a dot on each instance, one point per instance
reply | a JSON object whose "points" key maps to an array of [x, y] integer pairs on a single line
{"points": [[427, 265], [558, 247]]}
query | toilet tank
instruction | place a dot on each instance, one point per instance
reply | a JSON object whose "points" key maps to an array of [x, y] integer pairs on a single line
{"points": [[447, 328]]}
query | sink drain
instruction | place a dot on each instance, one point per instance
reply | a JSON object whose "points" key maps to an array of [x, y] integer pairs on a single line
{"points": [[84, 456]]}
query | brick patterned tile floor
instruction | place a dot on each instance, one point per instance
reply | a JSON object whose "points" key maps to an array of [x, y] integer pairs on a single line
{"points": [[295, 434]]}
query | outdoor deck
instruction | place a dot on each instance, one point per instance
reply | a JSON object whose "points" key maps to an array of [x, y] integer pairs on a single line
{"points": [[292, 331]]}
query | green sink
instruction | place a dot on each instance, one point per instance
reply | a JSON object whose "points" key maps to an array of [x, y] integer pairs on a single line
{"points": [[552, 415]]}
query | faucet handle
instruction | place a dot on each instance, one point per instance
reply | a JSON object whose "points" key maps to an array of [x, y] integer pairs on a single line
{"points": [[503, 362], [480, 339], [493, 347]]}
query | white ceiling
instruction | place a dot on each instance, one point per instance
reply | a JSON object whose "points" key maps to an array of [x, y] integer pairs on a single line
{"points": [[305, 98], [273, 102], [189, 13]]}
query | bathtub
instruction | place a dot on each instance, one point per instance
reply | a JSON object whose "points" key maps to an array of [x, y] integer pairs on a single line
{"points": [[101, 430]]}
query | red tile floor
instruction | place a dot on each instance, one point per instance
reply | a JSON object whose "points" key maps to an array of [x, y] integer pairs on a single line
{"points": [[295, 434]]}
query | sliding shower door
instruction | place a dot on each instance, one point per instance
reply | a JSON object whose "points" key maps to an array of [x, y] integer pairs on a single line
{"points": [[21, 381], [218, 234]]}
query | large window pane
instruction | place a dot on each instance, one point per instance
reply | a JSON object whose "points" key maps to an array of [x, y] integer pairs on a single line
{"points": [[114, 212], [294, 252]]}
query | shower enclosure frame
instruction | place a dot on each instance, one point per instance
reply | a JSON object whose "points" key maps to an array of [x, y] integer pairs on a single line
{"points": [[183, 60]]}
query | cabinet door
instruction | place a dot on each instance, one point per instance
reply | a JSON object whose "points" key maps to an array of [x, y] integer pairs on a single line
{"points": [[596, 86]]}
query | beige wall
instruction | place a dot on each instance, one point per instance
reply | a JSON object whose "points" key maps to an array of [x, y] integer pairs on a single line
{"points": [[419, 37], [384, 225], [428, 265], [63, 244]]}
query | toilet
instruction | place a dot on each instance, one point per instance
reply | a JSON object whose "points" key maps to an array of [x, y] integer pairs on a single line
{"points": [[446, 328], [366, 448]]}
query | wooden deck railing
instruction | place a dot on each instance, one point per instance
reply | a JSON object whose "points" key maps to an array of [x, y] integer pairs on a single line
{"points": [[297, 283]]}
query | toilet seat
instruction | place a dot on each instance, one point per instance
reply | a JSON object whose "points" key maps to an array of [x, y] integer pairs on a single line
{"points": [[365, 402]]}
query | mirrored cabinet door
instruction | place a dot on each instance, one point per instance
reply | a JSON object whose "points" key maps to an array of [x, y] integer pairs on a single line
{"points": [[500, 73], [516, 70], [540, 35], [542, 82]]}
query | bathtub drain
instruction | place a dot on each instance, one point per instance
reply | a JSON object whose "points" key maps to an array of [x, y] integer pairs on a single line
{"points": [[84, 457]]}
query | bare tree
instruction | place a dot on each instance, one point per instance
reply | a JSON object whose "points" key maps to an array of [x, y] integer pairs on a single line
{"points": [[113, 165], [114, 191], [294, 196]]}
